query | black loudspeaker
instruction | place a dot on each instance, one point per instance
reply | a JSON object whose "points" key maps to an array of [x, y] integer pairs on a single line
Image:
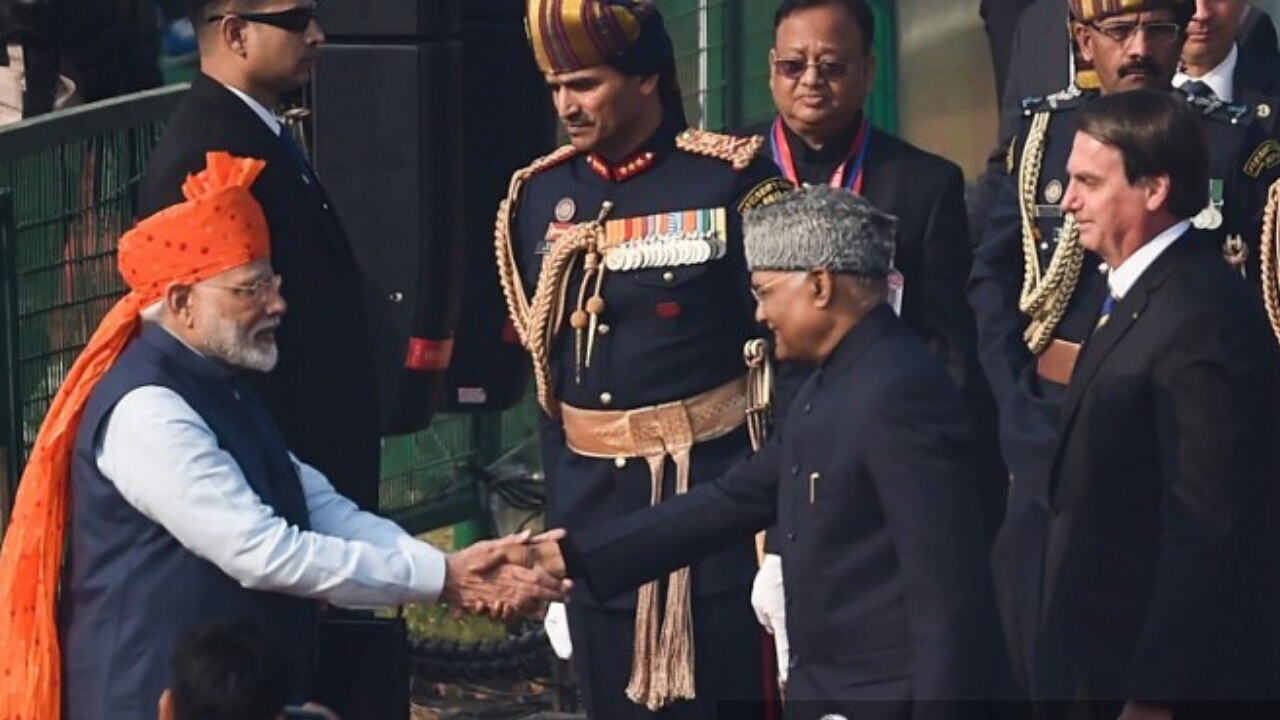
{"points": [[387, 124], [417, 19], [509, 121]]}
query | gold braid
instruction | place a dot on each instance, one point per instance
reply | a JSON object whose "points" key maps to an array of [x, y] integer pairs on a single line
{"points": [[755, 353], [546, 311], [1045, 294], [1270, 270], [508, 266]]}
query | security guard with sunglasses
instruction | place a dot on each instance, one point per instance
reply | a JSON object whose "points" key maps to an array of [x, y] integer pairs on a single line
{"points": [[621, 260], [250, 54], [1037, 294]]}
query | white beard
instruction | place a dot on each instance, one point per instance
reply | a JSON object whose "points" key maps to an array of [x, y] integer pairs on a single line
{"points": [[224, 342]]}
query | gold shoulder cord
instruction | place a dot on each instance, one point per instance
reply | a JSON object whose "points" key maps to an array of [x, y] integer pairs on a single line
{"points": [[518, 306], [755, 353], [1045, 293], [1270, 270], [508, 267]]}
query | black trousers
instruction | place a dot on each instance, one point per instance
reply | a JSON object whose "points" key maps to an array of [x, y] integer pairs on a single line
{"points": [[728, 661]]}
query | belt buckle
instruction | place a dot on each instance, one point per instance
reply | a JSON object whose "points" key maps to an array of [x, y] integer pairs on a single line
{"points": [[661, 429]]}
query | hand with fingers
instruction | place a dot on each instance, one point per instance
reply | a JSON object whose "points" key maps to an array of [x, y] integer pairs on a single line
{"points": [[501, 578]]}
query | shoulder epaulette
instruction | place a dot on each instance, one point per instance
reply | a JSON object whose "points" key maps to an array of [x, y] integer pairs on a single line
{"points": [[1061, 100], [734, 149], [550, 160]]}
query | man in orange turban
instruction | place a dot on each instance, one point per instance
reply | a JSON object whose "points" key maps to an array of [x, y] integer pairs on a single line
{"points": [[184, 504]]}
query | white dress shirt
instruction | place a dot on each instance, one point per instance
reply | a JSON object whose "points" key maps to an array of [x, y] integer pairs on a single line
{"points": [[165, 460], [1121, 279], [1221, 79], [258, 109]]}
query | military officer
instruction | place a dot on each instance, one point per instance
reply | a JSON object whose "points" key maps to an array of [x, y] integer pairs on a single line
{"points": [[1036, 293], [622, 265]]}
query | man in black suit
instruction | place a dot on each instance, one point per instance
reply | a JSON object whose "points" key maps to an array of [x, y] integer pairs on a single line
{"points": [[1164, 471], [821, 71], [1217, 54], [321, 393], [870, 480]]}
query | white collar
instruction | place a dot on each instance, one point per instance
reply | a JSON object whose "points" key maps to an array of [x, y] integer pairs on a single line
{"points": [[1220, 79], [1121, 279], [258, 109]]}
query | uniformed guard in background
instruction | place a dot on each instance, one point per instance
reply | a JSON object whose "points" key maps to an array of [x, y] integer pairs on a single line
{"points": [[621, 260]]}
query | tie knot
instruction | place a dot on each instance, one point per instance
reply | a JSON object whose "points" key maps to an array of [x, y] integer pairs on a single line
{"points": [[1198, 90]]}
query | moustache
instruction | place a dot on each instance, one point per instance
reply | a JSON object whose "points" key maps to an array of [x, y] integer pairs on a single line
{"points": [[1145, 67]]}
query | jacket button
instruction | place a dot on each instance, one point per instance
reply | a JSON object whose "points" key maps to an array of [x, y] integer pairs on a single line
{"points": [[602, 329], [795, 470], [606, 398], [620, 462], [668, 276], [808, 407], [791, 536]]}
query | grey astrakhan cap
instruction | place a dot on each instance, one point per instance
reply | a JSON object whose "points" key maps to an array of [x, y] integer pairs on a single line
{"points": [[820, 227]]}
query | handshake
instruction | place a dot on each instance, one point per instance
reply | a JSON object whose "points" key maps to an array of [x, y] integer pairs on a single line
{"points": [[508, 577]]}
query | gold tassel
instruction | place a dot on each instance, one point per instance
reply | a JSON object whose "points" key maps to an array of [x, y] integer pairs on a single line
{"points": [[674, 662], [641, 687]]}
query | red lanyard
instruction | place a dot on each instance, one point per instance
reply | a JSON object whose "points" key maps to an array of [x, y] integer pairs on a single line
{"points": [[844, 176]]}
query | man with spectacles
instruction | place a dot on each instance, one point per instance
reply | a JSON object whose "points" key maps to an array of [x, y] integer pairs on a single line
{"points": [[621, 260], [178, 499], [1036, 291], [322, 393], [822, 68]]}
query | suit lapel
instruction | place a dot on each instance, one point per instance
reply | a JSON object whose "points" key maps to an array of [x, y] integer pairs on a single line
{"points": [[1127, 313], [266, 145]]}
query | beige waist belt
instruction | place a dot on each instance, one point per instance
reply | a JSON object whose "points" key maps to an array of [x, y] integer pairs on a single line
{"points": [[662, 661]]}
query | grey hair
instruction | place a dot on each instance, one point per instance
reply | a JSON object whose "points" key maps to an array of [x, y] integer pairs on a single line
{"points": [[820, 227]]}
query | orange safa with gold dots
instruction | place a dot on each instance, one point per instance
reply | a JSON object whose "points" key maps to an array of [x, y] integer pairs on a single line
{"points": [[219, 227]]}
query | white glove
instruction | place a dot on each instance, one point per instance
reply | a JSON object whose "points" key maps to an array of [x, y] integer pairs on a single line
{"points": [[556, 623], [770, 603]]}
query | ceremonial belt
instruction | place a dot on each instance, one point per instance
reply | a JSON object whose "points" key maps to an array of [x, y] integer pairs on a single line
{"points": [[662, 660], [1058, 361]]}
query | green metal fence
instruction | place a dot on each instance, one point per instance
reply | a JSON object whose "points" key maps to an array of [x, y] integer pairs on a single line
{"points": [[722, 49], [68, 185]]}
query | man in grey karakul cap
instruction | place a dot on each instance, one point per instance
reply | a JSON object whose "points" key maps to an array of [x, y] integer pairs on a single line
{"points": [[880, 514]]}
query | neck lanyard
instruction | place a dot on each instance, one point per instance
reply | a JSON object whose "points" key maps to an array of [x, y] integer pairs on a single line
{"points": [[846, 176]]}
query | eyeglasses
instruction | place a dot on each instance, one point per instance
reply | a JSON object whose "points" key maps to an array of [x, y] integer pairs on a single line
{"points": [[258, 291], [295, 20], [1122, 32], [827, 70], [762, 291]]}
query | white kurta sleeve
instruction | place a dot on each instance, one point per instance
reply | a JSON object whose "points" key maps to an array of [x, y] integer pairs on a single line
{"points": [[165, 460]]}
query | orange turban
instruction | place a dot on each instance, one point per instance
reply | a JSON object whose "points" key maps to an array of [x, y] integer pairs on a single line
{"points": [[219, 227]]}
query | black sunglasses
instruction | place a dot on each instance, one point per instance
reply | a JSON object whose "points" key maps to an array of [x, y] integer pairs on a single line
{"points": [[295, 20]]}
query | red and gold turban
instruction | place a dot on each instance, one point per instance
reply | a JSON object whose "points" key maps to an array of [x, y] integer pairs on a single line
{"points": [[1090, 10], [219, 227], [570, 35]]}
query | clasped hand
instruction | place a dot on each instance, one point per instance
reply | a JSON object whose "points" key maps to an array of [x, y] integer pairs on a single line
{"points": [[507, 577]]}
